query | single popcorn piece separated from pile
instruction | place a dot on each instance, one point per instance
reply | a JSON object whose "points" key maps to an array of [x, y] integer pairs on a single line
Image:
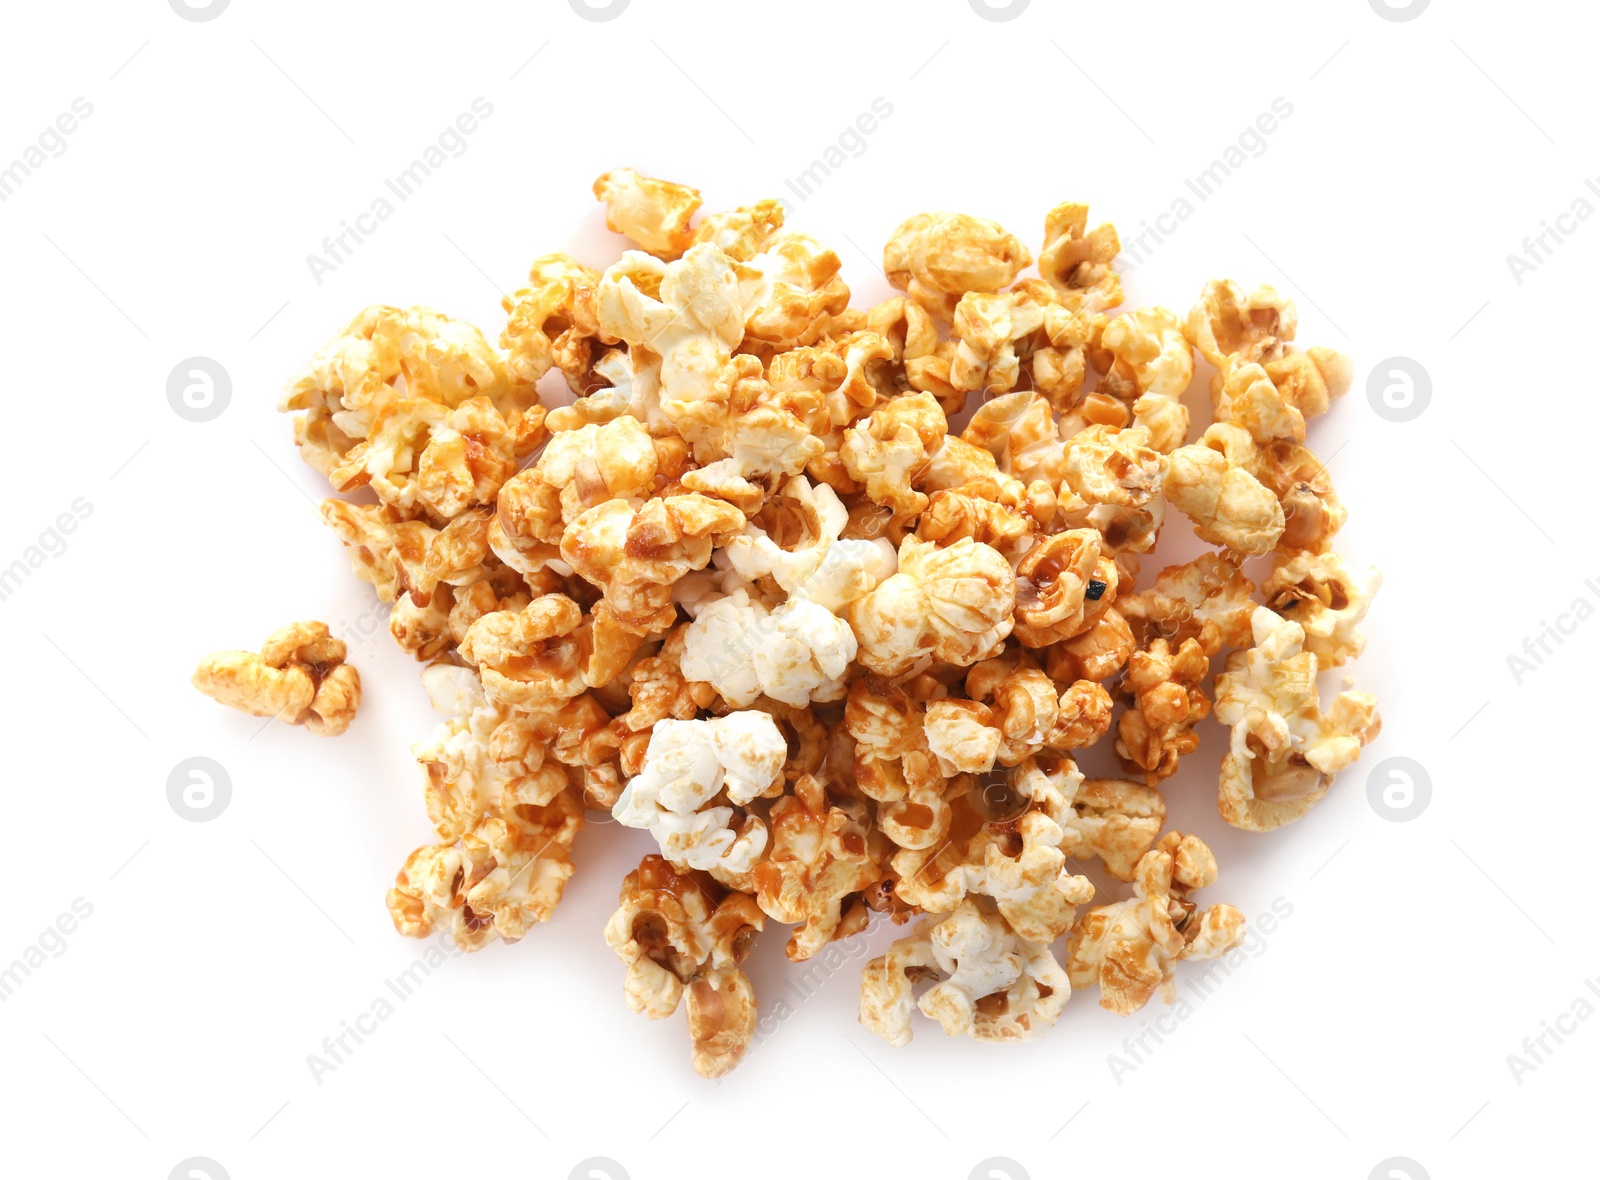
{"points": [[824, 601]]}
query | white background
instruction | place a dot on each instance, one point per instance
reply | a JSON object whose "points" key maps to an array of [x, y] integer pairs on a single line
{"points": [[1377, 1019]]}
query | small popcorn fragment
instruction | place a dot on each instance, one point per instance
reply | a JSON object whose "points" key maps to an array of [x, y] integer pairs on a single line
{"points": [[1283, 750], [653, 213], [299, 677], [1130, 947], [679, 933]]}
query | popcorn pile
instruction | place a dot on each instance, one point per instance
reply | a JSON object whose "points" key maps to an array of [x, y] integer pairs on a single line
{"points": [[754, 593]]}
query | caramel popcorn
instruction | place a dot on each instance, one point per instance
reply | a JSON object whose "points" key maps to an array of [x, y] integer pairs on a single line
{"points": [[299, 676], [1130, 947], [1283, 750], [828, 599], [679, 931]]}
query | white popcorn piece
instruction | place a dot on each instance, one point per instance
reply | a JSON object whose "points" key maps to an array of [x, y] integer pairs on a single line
{"points": [[797, 653], [689, 763]]}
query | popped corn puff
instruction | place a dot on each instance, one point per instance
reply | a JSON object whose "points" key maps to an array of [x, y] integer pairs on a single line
{"points": [[827, 600], [299, 677]]}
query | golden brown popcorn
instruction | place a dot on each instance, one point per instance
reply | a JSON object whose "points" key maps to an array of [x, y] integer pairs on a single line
{"points": [[1077, 261], [1020, 432], [553, 323], [634, 556], [791, 291], [1114, 820], [1026, 710], [1150, 366], [1311, 509], [1129, 947], [741, 233], [1233, 329], [894, 768], [962, 736], [688, 313], [387, 354], [385, 550], [420, 455], [952, 604], [1226, 322], [975, 510], [886, 452], [1327, 599], [1283, 750], [529, 657], [300, 677], [497, 881], [1097, 654], [679, 931], [1211, 589], [936, 258], [1063, 586], [1212, 483], [818, 858], [1164, 681], [993, 984], [653, 213], [1112, 481]]}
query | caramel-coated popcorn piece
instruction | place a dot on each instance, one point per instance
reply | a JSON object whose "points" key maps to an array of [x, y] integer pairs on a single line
{"points": [[1212, 483], [653, 213], [299, 677], [993, 984], [936, 258], [1283, 750], [1130, 947], [953, 604], [680, 933], [1327, 598], [1076, 261]]}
